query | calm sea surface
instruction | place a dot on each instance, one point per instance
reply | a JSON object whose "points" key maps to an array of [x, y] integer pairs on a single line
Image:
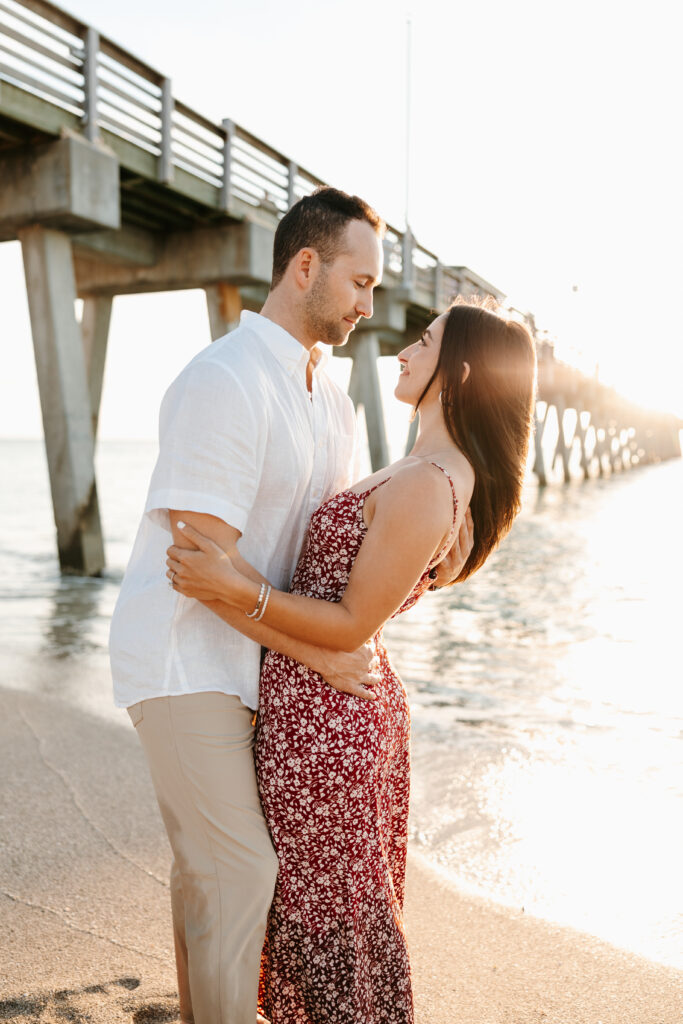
{"points": [[545, 693]]}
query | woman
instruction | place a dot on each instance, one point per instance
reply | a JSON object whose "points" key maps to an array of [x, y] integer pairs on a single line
{"points": [[333, 770]]}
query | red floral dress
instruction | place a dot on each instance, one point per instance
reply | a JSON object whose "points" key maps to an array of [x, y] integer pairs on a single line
{"points": [[334, 776]]}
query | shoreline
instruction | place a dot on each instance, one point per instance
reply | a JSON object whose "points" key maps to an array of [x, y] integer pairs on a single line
{"points": [[479, 962], [83, 872]]}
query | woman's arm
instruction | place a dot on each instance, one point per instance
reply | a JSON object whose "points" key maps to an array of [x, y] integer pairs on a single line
{"points": [[354, 673], [413, 514]]}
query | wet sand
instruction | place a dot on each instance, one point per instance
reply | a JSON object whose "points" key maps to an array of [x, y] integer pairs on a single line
{"points": [[86, 920]]}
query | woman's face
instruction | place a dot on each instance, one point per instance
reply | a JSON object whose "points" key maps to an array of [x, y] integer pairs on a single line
{"points": [[418, 362]]}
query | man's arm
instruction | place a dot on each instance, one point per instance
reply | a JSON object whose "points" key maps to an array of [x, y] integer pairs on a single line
{"points": [[353, 673]]}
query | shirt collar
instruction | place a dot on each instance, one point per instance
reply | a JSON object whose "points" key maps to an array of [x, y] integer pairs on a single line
{"points": [[289, 352]]}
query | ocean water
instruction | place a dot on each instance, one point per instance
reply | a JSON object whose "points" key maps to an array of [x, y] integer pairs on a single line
{"points": [[545, 692]]}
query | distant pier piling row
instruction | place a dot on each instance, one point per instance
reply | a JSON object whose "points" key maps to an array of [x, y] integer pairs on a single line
{"points": [[113, 187], [609, 433]]}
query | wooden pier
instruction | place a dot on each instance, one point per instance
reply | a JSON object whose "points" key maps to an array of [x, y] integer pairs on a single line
{"points": [[113, 186]]}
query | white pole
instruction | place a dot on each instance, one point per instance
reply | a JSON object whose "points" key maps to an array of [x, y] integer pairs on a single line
{"points": [[408, 125]]}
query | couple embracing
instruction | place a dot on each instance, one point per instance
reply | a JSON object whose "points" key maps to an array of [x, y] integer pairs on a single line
{"points": [[289, 837]]}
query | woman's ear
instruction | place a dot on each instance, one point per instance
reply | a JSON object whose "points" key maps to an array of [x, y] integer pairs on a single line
{"points": [[465, 371]]}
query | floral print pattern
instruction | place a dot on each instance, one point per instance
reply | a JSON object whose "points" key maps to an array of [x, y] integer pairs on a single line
{"points": [[334, 774]]}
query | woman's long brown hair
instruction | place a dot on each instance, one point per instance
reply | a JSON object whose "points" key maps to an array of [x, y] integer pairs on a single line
{"points": [[488, 415]]}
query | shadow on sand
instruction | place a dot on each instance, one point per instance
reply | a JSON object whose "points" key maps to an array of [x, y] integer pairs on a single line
{"points": [[106, 1003]]}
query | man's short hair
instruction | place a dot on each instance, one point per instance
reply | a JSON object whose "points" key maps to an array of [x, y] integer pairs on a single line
{"points": [[318, 222]]}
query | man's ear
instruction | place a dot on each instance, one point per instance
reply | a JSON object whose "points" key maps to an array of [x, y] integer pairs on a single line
{"points": [[306, 264]]}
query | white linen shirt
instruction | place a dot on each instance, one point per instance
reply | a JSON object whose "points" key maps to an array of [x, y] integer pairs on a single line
{"points": [[239, 438]]}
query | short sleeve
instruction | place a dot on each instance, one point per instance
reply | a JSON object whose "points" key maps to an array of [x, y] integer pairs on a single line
{"points": [[211, 446]]}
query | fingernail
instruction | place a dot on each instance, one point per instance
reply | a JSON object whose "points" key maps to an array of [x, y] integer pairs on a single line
{"points": [[181, 524]]}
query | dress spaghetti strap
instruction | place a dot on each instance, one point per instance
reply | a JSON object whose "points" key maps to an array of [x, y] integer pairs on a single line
{"points": [[447, 542]]}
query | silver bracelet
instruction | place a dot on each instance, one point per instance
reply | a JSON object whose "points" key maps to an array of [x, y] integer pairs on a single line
{"points": [[257, 609], [265, 604]]}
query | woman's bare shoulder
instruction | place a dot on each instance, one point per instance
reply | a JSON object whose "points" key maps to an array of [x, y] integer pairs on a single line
{"points": [[462, 475], [420, 486], [433, 475], [417, 500]]}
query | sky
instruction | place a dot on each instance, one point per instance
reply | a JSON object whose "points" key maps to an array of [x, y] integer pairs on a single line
{"points": [[544, 154]]}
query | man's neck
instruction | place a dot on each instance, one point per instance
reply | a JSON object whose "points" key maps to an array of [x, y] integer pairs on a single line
{"points": [[282, 314]]}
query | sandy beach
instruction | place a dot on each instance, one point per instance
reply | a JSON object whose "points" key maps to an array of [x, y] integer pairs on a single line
{"points": [[86, 920]]}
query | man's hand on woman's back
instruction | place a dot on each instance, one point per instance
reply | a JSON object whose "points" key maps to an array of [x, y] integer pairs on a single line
{"points": [[450, 567]]}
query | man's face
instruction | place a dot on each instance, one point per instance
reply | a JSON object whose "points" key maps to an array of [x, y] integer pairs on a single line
{"points": [[342, 290]]}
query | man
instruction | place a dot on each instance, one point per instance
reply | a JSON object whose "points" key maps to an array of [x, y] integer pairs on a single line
{"points": [[253, 437]]}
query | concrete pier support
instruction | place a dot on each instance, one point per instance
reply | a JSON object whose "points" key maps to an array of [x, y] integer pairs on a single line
{"points": [[224, 304], [561, 450], [364, 390], [580, 433], [601, 445], [64, 396], [539, 459], [611, 434], [95, 331]]}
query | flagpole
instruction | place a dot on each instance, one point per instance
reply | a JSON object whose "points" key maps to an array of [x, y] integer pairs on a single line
{"points": [[408, 120]]}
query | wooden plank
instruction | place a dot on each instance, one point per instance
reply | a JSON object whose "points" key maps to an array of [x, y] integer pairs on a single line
{"points": [[156, 218], [192, 115], [214, 170], [130, 77], [165, 199], [138, 220], [243, 135], [36, 84], [250, 163], [133, 100], [216, 145], [55, 16], [38, 26], [104, 100], [70, 62], [130, 62], [114, 125]]}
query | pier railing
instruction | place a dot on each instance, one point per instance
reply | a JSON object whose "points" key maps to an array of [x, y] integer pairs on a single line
{"points": [[117, 97]]}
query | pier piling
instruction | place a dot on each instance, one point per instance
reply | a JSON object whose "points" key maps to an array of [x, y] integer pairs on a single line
{"points": [[64, 398]]}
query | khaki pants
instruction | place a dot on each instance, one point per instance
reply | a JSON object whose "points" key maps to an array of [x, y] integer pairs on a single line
{"points": [[199, 749]]}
